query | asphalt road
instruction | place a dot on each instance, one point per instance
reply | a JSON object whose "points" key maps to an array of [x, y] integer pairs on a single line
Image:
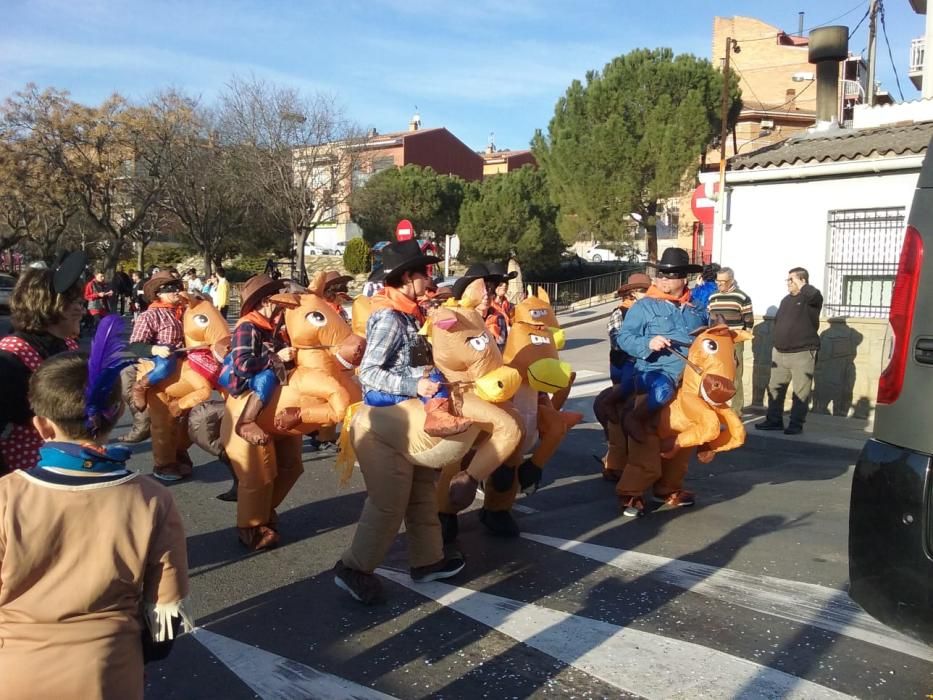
{"points": [[739, 596]]}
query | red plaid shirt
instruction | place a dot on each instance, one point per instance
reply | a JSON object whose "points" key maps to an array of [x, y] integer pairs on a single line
{"points": [[158, 327]]}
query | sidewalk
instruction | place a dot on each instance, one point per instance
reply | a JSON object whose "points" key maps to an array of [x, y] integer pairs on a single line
{"points": [[570, 318], [820, 429]]}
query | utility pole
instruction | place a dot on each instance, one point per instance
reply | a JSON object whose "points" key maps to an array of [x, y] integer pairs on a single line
{"points": [[872, 41], [723, 138]]}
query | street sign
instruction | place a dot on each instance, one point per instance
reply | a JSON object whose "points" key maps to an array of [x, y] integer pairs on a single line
{"points": [[703, 203], [404, 231]]}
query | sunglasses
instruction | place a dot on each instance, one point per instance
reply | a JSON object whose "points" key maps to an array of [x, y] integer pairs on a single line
{"points": [[672, 275], [170, 287]]}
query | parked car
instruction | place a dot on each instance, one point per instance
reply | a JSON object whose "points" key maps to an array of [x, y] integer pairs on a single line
{"points": [[311, 249], [7, 282], [340, 248], [891, 507], [626, 253]]}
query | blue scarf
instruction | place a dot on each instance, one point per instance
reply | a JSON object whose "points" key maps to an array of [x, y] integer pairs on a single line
{"points": [[69, 464]]}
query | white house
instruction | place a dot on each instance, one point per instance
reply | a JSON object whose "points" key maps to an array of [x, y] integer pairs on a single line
{"points": [[835, 202]]}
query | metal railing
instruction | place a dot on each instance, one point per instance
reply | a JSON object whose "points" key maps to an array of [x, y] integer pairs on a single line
{"points": [[569, 292], [861, 289], [917, 51]]}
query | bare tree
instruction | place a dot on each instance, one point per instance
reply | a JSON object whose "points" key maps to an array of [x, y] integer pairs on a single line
{"points": [[111, 157], [295, 155], [202, 190], [35, 203]]}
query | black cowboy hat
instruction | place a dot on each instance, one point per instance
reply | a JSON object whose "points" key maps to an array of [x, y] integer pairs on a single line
{"points": [[491, 272], [676, 262], [403, 256], [68, 269]]}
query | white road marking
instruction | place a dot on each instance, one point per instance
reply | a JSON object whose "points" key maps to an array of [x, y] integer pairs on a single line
{"points": [[805, 603], [631, 660], [587, 373], [274, 677]]}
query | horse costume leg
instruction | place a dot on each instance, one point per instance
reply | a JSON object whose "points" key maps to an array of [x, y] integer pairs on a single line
{"points": [[643, 468], [422, 527], [288, 467]]}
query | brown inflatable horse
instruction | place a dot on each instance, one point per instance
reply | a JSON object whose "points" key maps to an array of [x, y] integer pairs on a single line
{"points": [[478, 379], [698, 417], [207, 338], [316, 395]]}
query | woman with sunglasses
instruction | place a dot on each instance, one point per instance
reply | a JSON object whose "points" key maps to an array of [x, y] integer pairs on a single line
{"points": [[46, 308]]}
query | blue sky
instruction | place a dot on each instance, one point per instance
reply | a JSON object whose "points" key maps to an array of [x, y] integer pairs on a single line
{"points": [[474, 66]]}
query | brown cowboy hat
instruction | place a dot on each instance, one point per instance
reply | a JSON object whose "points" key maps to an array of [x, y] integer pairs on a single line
{"points": [[636, 282], [152, 285], [257, 288], [334, 278]]}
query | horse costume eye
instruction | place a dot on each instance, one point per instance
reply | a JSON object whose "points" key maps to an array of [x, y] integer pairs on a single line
{"points": [[316, 318], [201, 320], [479, 343], [538, 313], [710, 346], [539, 339]]}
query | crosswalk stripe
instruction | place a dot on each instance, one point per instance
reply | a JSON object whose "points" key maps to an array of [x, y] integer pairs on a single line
{"points": [[805, 603], [627, 659], [274, 677]]}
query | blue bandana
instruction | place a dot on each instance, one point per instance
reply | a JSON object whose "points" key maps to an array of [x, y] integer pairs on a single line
{"points": [[69, 464]]}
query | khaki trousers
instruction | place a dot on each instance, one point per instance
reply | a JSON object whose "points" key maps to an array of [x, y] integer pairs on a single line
{"points": [[787, 367], [396, 491], [738, 401]]}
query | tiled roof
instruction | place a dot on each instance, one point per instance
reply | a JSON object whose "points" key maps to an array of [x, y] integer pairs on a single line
{"points": [[840, 144]]}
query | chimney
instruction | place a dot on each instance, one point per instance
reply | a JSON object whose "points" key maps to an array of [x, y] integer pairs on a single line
{"points": [[828, 46], [372, 133], [415, 122], [800, 24]]}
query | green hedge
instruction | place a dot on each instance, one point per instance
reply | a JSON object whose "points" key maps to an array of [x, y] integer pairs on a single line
{"points": [[357, 258]]}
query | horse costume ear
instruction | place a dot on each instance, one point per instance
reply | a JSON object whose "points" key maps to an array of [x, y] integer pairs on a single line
{"points": [[543, 295], [445, 319], [287, 300], [741, 336], [318, 280]]}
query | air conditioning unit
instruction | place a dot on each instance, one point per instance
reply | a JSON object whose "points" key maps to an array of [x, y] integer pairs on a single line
{"points": [[767, 123]]}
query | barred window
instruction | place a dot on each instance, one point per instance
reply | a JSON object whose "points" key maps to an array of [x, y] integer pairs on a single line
{"points": [[864, 247]]}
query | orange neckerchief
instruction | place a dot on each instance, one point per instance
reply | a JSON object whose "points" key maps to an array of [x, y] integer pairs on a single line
{"points": [[391, 298], [656, 293], [258, 320], [178, 309]]}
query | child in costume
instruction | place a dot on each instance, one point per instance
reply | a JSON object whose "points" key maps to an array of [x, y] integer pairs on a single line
{"points": [[335, 292], [93, 563], [621, 364], [157, 332], [662, 320], [259, 354]]}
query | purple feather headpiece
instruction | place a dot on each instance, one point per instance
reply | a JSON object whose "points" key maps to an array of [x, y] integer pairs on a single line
{"points": [[108, 356]]}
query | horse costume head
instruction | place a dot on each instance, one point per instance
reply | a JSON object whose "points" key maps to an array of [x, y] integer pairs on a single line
{"points": [[532, 350], [537, 309], [710, 370], [204, 325], [464, 352], [313, 324]]}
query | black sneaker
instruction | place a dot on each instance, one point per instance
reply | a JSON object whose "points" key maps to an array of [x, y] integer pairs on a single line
{"points": [[499, 522], [365, 588], [445, 568], [768, 425]]}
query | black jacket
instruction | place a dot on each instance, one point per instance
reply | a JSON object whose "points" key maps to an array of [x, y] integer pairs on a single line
{"points": [[797, 324]]}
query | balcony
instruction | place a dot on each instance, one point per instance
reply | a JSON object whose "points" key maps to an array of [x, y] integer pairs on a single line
{"points": [[915, 70]]}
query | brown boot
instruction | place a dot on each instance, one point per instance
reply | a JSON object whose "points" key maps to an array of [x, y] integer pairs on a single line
{"points": [[440, 422], [258, 538], [139, 392], [246, 426]]}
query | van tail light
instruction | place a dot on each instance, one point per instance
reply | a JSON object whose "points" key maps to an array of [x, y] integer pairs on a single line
{"points": [[901, 317]]}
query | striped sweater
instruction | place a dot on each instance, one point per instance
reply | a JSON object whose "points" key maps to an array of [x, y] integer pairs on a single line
{"points": [[735, 306]]}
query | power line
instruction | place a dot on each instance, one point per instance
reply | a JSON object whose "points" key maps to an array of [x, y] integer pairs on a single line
{"points": [[884, 30], [741, 72], [864, 17], [809, 29]]}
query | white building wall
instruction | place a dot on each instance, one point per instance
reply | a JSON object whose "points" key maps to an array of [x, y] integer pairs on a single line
{"points": [[774, 226]]}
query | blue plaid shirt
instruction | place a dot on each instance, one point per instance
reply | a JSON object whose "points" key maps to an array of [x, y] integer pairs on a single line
{"points": [[386, 364]]}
